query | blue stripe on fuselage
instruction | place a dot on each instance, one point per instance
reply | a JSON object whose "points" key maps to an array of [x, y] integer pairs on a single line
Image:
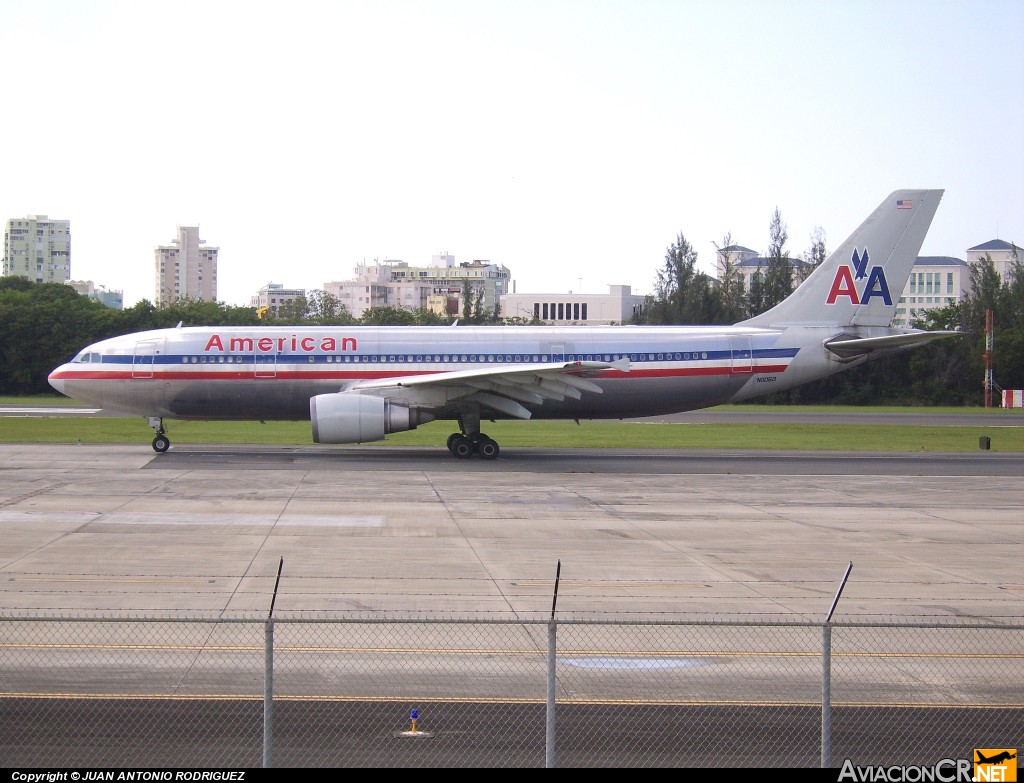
{"points": [[447, 358]]}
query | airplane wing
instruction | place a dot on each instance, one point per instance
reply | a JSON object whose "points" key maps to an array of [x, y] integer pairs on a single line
{"points": [[849, 347], [503, 389]]}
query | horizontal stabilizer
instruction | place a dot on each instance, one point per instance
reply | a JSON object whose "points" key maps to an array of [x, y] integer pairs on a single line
{"points": [[858, 346]]}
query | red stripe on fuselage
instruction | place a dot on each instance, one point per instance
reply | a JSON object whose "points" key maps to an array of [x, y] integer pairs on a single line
{"points": [[279, 374]]}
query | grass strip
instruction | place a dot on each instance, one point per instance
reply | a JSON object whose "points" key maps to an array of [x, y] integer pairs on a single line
{"points": [[544, 434]]}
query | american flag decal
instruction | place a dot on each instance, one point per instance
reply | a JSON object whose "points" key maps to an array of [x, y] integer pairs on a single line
{"points": [[904, 203]]}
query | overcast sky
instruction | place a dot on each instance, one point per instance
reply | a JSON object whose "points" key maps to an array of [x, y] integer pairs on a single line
{"points": [[570, 141]]}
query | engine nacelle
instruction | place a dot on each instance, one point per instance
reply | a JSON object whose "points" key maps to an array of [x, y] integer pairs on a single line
{"points": [[351, 417]]}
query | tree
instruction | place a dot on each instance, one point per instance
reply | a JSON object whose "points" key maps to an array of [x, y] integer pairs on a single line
{"points": [[1005, 298], [815, 255], [292, 311], [773, 280], [473, 304], [732, 294], [45, 324], [682, 295], [778, 278], [387, 316], [424, 316], [984, 293], [326, 309], [1011, 294], [201, 312]]}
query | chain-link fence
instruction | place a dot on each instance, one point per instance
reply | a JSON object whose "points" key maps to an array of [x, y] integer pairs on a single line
{"points": [[329, 692]]}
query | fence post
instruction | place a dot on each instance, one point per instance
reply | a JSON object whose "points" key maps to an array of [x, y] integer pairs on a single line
{"points": [[826, 695], [550, 737], [268, 675], [550, 732], [268, 691], [826, 676]]}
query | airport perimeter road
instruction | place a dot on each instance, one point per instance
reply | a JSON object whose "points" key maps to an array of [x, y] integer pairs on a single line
{"points": [[111, 528]]}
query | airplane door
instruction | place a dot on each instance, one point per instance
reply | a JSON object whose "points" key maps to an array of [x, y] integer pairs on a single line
{"points": [[264, 365], [742, 354], [144, 358]]}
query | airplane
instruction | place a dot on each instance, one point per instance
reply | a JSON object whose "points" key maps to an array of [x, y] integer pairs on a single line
{"points": [[996, 759], [357, 384]]}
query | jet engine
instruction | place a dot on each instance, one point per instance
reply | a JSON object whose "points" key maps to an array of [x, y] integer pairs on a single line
{"points": [[351, 417]]}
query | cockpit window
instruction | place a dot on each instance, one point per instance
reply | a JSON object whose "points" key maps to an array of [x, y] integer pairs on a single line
{"points": [[86, 357]]}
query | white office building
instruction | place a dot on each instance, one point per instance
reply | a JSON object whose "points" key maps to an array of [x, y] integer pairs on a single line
{"points": [[935, 281], [1002, 253], [616, 307]]}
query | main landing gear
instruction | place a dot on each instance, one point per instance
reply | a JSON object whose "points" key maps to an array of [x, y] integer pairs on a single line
{"points": [[463, 446], [470, 440], [161, 442]]}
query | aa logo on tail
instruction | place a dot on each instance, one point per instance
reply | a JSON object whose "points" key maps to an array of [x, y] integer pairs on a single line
{"points": [[844, 283]]}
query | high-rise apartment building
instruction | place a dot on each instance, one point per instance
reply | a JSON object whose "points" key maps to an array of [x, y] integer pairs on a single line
{"points": [[184, 270], [38, 248]]}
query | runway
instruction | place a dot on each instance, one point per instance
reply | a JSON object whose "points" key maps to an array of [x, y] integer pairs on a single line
{"points": [[107, 528], [608, 461]]}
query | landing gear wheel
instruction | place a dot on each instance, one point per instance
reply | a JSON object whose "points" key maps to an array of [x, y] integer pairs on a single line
{"points": [[455, 436], [161, 443], [463, 448], [488, 448]]}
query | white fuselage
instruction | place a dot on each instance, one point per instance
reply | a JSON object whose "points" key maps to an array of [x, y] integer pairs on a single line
{"points": [[272, 372]]}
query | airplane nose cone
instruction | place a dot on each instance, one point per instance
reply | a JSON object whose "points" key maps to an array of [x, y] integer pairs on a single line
{"points": [[55, 382]]}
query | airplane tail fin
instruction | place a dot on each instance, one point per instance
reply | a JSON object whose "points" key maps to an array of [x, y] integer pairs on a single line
{"points": [[860, 283]]}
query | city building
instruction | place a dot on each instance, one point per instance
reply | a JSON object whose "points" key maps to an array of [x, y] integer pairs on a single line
{"points": [[273, 296], [935, 281], [747, 263], [185, 270], [38, 248], [438, 287], [1002, 253], [616, 307], [112, 299]]}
